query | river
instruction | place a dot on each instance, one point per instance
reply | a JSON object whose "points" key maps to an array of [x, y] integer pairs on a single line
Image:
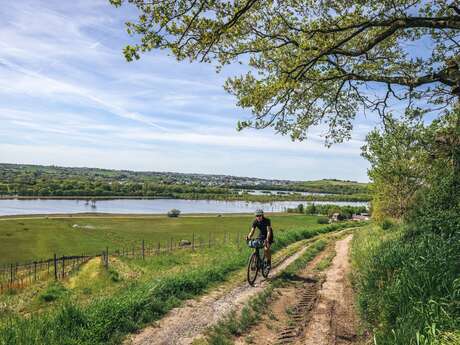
{"points": [[147, 206]]}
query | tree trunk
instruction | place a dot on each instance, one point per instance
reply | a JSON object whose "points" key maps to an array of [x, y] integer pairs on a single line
{"points": [[456, 149]]}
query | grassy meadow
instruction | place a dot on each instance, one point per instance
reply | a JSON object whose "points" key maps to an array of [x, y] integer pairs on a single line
{"points": [[26, 239]]}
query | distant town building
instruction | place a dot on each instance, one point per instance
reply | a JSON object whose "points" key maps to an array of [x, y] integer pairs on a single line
{"points": [[360, 217]]}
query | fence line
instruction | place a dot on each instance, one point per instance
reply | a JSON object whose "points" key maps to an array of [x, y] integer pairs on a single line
{"points": [[20, 275]]}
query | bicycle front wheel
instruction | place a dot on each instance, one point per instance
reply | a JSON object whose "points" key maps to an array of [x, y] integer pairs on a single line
{"points": [[253, 268]]}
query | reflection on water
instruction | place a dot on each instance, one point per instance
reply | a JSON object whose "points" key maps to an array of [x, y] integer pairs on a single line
{"points": [[156, 206]]}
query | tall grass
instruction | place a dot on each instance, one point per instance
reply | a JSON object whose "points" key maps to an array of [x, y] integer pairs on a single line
{"points": [[408, 286], [106, 320]]}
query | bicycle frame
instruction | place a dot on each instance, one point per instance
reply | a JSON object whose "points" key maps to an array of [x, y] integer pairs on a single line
{"points": [[259, 265]]}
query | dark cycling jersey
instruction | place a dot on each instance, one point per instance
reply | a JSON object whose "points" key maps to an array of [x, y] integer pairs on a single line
{"points": [[262, 226]]}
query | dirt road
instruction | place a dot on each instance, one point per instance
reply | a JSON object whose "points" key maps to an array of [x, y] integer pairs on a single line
{"points": [[316, 308], [279, 324], [333, 319], [182, 325]]}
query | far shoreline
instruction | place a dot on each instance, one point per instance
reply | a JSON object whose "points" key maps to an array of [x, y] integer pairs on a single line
{"points": [[83, 198], [253, 198], [135, 215]]}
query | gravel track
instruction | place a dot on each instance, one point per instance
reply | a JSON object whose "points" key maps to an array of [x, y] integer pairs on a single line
{"points": [[182, 325]]}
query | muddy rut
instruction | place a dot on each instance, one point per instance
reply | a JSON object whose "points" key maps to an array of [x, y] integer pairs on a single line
{"points": [[182, 325], [333, 319], [288, 310], [317, 308]]}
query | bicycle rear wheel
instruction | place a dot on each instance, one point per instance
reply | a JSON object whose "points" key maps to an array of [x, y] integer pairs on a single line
{"points": [[265, 269], [253, 268]]}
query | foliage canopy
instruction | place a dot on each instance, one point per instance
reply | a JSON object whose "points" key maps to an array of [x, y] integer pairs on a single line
{"points": [[411, 159], [313, 62]]}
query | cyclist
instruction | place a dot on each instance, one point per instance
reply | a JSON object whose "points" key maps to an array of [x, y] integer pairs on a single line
{"points": [[265, 233]]}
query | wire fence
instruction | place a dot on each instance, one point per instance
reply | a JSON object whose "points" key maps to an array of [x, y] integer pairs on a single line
{"points": [[16, 276]]}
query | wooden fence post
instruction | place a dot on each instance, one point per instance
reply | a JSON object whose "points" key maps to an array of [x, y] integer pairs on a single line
{"points": [[193, 241], [55, 267], [106, 257], [209, 240], [159, 248], [143, 250]]}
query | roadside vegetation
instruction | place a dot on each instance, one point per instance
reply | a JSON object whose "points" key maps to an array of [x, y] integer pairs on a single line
{"points": [[344, 212], [408, 287], [407, 270], [106, 318]]}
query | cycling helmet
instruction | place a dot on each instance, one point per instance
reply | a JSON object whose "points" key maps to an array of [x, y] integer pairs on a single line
{"points": [[259, 212]]}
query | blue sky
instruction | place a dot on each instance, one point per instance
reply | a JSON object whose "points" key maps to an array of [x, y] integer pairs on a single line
{"points": [[68, 97]]}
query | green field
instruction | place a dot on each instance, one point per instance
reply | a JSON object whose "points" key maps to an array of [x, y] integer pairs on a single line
{"points": [[28, 239]]}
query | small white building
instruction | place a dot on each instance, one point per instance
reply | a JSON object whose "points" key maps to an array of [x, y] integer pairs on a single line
{"points": [[360, 217]]}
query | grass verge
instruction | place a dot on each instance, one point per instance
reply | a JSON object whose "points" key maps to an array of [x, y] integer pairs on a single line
{"points": [[408, 287], [326, 261]]}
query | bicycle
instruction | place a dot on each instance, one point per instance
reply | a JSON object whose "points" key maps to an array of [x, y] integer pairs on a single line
{"points": [[256, 262]]}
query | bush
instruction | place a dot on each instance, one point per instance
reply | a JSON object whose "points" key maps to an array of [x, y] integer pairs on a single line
{"points": [[323, 220], [387, 224], [114, 275], [437, 209], [53, 292], [300, 208], [174, 213]]}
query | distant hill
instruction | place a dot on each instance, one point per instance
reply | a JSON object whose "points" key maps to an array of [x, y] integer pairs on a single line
{"points": [[39, 180]]}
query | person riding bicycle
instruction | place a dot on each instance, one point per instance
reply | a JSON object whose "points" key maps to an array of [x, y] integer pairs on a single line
{"points": [[265, 233]]}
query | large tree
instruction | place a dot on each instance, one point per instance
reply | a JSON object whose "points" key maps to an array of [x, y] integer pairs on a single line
{"points": [[314, 62]]}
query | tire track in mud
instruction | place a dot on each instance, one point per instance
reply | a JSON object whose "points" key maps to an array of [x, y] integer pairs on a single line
{"points": [[333, 318], [300, 314], [288, 311]]}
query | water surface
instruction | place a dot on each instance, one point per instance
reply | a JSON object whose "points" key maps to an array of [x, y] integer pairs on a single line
{"points": [[152, 206]]}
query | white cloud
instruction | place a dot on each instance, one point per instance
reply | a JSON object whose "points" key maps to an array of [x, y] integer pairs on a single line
{"points": [[37, 84]]}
